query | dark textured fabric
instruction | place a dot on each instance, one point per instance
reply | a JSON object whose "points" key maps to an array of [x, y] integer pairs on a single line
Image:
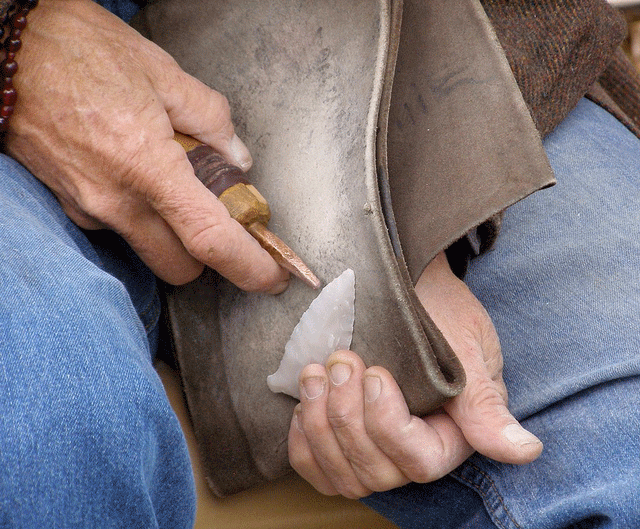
{"points": [[621, 83], [5, 5], [556, 49], [560, 51]]}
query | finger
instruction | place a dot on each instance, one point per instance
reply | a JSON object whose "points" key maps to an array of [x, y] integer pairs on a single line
{"points": [[134, 220], [322, 441], [79, 217], [345, 412], [302, 460], [158, 246], [424, 450], [202, 223], [481, 413], [197, 110], [150, 238]]}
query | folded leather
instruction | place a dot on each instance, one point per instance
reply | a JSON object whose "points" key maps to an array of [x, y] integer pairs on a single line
{"points": [[311, 84], [461, 144]]}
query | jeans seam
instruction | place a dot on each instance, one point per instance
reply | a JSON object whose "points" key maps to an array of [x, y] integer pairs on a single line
{"points": [[485, 486], [151, 313]]}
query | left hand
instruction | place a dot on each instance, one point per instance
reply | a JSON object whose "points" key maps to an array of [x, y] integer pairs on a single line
{"points": [[353, 434]]}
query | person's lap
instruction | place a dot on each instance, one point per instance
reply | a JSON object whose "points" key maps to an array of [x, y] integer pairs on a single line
{"points": [[562, 286], [87, 436]]}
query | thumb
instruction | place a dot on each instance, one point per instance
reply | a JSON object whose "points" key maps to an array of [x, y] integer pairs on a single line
{"points": [[481, 412]]}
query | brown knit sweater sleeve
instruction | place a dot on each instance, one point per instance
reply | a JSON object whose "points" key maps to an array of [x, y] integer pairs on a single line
{"points": [[618, 91], [557, 49]]}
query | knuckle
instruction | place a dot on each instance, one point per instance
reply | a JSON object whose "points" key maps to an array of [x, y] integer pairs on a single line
{"points": [[387, 480], [96, 204], [209, 241], [324, 488], [341, 416], [300, 461], [218, 245], [495, 364], [427, 467], [419, 472], [419, 464], [166, 70], [219, 109], [423, 475], [381, 431], [352, 489], [483, 394]]}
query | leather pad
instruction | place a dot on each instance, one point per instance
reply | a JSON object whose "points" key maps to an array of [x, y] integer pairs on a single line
{"points": [[309, 83]]}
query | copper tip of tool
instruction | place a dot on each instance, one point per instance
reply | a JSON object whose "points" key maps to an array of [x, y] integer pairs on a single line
{"points": [[283, 255]]}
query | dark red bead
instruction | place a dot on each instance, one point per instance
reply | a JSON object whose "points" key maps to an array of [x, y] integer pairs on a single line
{"points": [[12, 45], [6, 111], [16, 19], [9, 96], [9, 68], [19, 21]]}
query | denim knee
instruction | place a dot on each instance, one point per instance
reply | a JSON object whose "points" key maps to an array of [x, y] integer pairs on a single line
{"points": [[87, 436]]}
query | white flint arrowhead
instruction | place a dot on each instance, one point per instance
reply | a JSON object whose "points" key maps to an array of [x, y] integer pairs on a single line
{"points": [[325, 327]]}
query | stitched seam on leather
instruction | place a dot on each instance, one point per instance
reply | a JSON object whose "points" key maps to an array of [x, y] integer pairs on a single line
{"points": [[483, 484]]}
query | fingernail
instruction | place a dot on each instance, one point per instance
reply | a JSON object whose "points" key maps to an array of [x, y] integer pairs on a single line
{"points": [[339, 373], [313, 387], [372, 388], [517, 435], [240, 153], [296, 420]]}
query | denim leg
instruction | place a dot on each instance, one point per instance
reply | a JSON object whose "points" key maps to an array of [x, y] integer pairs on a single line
{"points": [[563, 289], [125, 9], [87, 435]]}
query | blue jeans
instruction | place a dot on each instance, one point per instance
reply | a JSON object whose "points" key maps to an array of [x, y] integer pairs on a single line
{"points": [[125, 9], [562, 286], [87, 435]]}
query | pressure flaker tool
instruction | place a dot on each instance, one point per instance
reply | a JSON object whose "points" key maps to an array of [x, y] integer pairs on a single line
{"points": [[244, 203]]}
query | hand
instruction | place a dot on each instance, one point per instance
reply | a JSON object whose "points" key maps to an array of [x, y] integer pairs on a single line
{"points": [[352, 433], [97, 108]]}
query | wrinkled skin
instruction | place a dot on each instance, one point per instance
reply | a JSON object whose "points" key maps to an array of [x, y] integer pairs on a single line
{"points": [[94, 121], [352, 433]]}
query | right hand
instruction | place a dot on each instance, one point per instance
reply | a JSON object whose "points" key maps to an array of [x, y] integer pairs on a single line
{"points": [[98, 105], [352, 432]]}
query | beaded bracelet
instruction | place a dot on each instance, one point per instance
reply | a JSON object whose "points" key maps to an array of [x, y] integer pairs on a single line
{"points": [[13, 22]]}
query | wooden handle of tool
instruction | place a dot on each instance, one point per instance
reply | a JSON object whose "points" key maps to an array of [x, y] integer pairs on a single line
{"points": [[227, 181], [244, 202]]}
